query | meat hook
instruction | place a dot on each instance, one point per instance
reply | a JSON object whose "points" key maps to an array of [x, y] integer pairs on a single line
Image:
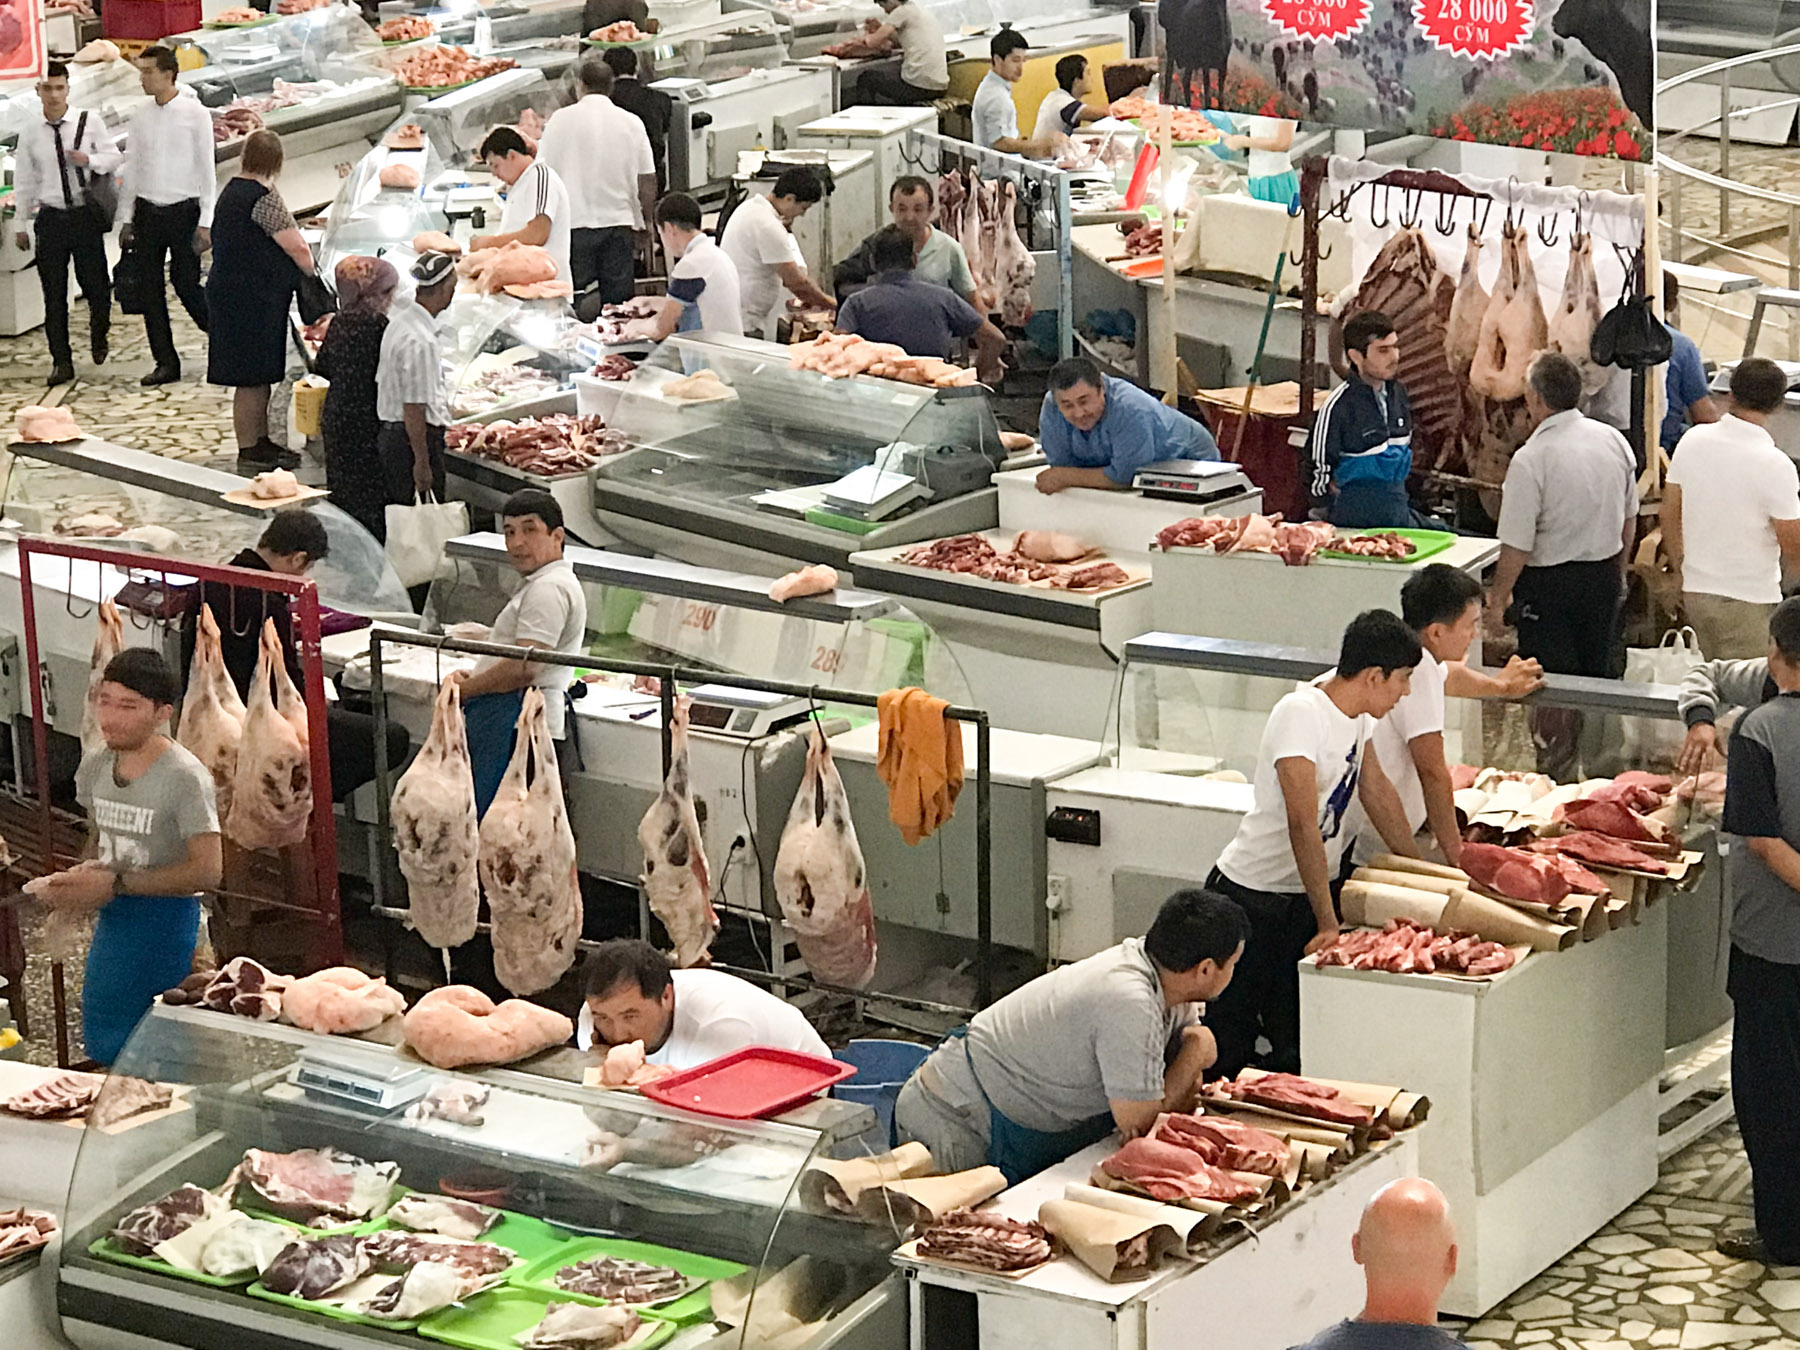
{"points": [[1487, 209], [69, 595], [1381, 224], [1446, 225], [1581, 204], [1512, 202], [144, 622], [1548, 239], [1341, 207], [1412, 201]]}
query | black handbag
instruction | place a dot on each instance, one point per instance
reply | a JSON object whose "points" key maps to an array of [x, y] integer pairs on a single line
{"points": [[315, 297], [132, 282], [101, 189]]}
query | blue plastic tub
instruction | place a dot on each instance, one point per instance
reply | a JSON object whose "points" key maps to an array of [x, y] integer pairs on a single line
{"points": [[881, 1067]]}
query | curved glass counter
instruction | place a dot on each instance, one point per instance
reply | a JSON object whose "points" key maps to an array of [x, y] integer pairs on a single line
{"points": [[574, 1169]]}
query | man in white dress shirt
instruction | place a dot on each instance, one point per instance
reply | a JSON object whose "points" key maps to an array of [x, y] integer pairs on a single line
{"points": [[602, 154], [537, 204], [410, 397], [50, 174], [166, 202]]}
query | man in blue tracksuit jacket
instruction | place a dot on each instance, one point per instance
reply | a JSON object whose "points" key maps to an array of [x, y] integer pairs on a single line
{"points": [[1362, 441]]}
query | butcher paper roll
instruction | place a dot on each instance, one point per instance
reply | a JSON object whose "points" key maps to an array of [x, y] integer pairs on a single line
{"points": [[1393, 862], [1497, 921], [1413, 881], [1373, 904], [832, 1185]]}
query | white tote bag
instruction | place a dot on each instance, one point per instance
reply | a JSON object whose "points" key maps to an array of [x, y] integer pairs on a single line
{"points": [[1647, 740], [416, 536]]}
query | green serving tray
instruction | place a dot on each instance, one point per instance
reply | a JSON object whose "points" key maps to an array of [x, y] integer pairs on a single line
{"points": [[831, 520], [107, 1249], [494, 1321], [336, 1313], [693, 1306], [1426, 543]]}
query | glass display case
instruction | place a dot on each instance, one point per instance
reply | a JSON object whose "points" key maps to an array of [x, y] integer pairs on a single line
{"points": [[717, 51], [791, 464], [578, 1173]]}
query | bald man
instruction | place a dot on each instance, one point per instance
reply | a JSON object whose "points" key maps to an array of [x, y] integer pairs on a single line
{"points": [[1407, 1249]]}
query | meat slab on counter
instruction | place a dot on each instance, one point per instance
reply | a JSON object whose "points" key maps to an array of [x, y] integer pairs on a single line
{"points": [[139, 1231], [392, 1250], [1599, 850], [311, 1184], [340, 1001], [553, 446], [1166, 1171], [1385, 544], [1405, 948], [439, 67], [1295, 543], [22, 1229], [1515, 873], [1612, 818], [443, 1215], [458, 1025], [841, 355], [972, 555], [311, 1268], [1226, 1143], [973, 1238], [581, 1326], [634, 1283], [614, 367], [61, 1098], [1298, 1096]]}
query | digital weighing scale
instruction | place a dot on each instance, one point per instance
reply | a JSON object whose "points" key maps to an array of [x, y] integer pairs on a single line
{"points": [[1192, 480], [743, 712], [372, 1079], [873, 493]]}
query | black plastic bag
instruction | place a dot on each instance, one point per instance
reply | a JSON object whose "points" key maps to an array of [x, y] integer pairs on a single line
{"points": [[133, 281], [315, 297], [1631, 337]]}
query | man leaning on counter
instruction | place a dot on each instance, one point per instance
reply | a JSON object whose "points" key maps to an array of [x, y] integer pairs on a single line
{"points": [[1098, 431], [1105, 1044]]}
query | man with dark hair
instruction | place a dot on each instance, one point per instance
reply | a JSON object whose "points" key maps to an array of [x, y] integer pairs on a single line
{"points": [[924, 73], [1065, 107], [537, 210], [52, 171], [166, 202], [994, 117], [652, 107], [1687, 398], [1105, 1044], [937, 257], [1731, 517], [682, 1017], [1282, 865], [703, 283], [602, 154], [549, 611], [1097, 430], [1362, 438], [759, 240], [1762, 811], [154, 847], [923, 319]]}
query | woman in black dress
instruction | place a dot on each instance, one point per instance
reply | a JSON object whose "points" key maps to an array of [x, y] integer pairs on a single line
{"points": [[348, 358], [258, 259]]}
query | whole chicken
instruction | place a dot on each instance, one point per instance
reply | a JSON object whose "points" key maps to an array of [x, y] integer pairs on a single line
{"points": [[676, 880], [1578, 314], [436, 831], [528, 862], [819, 877], [339, 1001], [1013, 266], [212, 714], [271, 793], [109, 641], [1467, 309]]}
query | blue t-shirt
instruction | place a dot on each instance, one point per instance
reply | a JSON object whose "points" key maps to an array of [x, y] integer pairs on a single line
{"points": [[1353, 1335], [922, 318], [1686, 385], [1136, 429]]}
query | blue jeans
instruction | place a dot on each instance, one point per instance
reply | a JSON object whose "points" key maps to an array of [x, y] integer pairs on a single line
{"points": [[143, 944]]}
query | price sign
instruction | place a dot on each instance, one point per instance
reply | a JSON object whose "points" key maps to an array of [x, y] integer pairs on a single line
{"points": [[1475, 27], [1318, 18]]}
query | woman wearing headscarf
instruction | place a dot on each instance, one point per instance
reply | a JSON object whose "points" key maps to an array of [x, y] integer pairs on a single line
{"points": [[348, 358]]}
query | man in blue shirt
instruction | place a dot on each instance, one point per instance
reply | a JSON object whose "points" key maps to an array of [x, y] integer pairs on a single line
{"points": [[1098, 431], [1362, 439], [1688, 402], [923, 318]]}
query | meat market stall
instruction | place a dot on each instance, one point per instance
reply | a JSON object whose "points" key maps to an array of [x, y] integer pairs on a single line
{"points": [[532, 442], [28, 1273]]}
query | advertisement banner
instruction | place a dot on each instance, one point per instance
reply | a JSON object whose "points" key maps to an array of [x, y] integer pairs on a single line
{"points": [[1570, 76], [21, 40]]}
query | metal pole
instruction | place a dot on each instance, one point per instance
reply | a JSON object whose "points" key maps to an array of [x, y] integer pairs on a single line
{"points": [[984, 862], [1311, 177], [383, 821], [326, 943], [1793, 279], [1724, 152], [1676, 178]]}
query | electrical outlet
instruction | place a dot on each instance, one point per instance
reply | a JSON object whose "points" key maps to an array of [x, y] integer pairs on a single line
{"points": [[1056, 896]]}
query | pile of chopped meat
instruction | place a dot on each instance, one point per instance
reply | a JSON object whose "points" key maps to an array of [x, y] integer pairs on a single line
{"points": [[634, 1283], [1186, 126], [840, 355], [22, 1229], [1165, 1171], [1297, 1096], [1294, 542], [404, 28], [1386, 544], [442, 67], [614, 367], [1142, 240], [623, 31], [231, 123], [1226, 1143], [1406, 948], [497, 385], [298, 6], [552, 446], [972, 555], [64, 1097], [989, 1241]]}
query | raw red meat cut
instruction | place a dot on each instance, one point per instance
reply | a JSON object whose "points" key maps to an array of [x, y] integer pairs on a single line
{"points": [[986, 1240], [1296, 543], [1386, 544], [1609, 818], [556, 445], [1226, 1143], [143, 1228], [311, 1268], [1049, 547], [677, 881], [1014, 267], [1463, 776], [1094, 578], [1175, 1172], [1581, 881], [1634, 790], [1514, 873], [1406, 948], [22, 1229], [819, 877], [314, 1183], [1599, 850], [64, 1097], [1299, 1096]]}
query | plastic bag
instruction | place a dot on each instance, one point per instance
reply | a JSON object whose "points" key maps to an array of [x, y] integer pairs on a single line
{"points": [[1650, 741], [416, 536]]}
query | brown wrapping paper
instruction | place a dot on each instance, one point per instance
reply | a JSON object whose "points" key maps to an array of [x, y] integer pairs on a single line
{"points": [[1096, 1237], [1374, 904], [832, 1185], [1393, 862], [1194, 1225], [1585, 913], [1401, 1109], [1417, 881], [911, 1204], [1273, 1193], [1340, 1139], [1500, 921], [910, 1251]]}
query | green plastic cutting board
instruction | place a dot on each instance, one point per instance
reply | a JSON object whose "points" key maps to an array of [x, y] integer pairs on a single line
{"points": [[495, 1320], [1425, 543], [693, 1306], [831, 520]]}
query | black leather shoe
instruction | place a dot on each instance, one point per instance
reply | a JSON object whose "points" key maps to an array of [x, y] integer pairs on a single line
{"points": [[97, 344], [1745, 1244], [161, 375], [61, 373], [265, 454]]}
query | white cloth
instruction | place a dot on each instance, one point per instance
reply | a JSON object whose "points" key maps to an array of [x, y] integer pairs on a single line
{"points": [[994, 116], [1306, 724], [1569, 490], [411, 369], [549, 610], [720, 302], [1050, 120], [599, 151], [169, 157], [1420, 713], [539, 192], [1266, 163], [1734, 483], [37, 179], [757, 243], [924, 60], [716, 1014]]}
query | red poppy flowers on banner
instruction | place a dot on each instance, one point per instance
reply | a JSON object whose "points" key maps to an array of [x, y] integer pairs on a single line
{"points": [[1318, 18], [1475, 27]]}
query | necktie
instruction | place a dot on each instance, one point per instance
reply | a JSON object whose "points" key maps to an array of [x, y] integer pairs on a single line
{"points": [[62, 166]]}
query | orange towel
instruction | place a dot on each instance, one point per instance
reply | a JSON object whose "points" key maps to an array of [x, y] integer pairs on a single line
{"points": [[920, 758]]}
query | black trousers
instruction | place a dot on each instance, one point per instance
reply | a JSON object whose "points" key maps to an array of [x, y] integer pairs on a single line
{"points": [[168, 231], [1263, 997], [883, 86], [1765, 1087], [603, 258], [395, 448], [1567, 616], [63, 236]]}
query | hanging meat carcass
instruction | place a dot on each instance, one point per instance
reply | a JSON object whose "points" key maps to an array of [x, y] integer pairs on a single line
{"points": [[528, 862], [109, 641], [819, 877], [950, 196], [677, 882], [436, 830], [1578, 314], [1014, 267], [1466, 309], [271, 792], [212, 714], [971, 235], [1514, 328]]}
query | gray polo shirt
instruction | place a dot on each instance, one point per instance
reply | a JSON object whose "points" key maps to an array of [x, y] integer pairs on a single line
{"points": [[1055, 1052], [147, 822], [1762, 801], [1569, 491], [548, 610]]}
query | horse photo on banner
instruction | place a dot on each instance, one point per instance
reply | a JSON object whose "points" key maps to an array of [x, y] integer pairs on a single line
{"points": [[21, 40], [1567, 76]]}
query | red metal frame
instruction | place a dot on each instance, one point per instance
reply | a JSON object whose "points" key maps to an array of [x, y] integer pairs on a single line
{"points": [[327, 943]]}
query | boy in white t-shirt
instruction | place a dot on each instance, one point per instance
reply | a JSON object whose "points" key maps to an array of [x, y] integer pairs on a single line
{"points": [[1282, 865]]}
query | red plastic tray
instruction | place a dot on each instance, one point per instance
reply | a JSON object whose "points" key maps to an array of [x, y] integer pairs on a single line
{"points": [[757, 1081]]}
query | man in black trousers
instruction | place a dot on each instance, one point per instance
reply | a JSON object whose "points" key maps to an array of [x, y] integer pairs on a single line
{"points": [[1762, 813]]}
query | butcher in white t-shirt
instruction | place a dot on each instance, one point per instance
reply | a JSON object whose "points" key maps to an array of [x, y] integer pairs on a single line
{"points": [[703, 282], [759, 240], [1281, 867], [683, 1017], [537, 204]]}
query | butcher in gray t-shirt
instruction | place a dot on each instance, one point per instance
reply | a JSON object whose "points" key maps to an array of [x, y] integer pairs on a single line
{"points": [[1105, 1043], [147, 822]]}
